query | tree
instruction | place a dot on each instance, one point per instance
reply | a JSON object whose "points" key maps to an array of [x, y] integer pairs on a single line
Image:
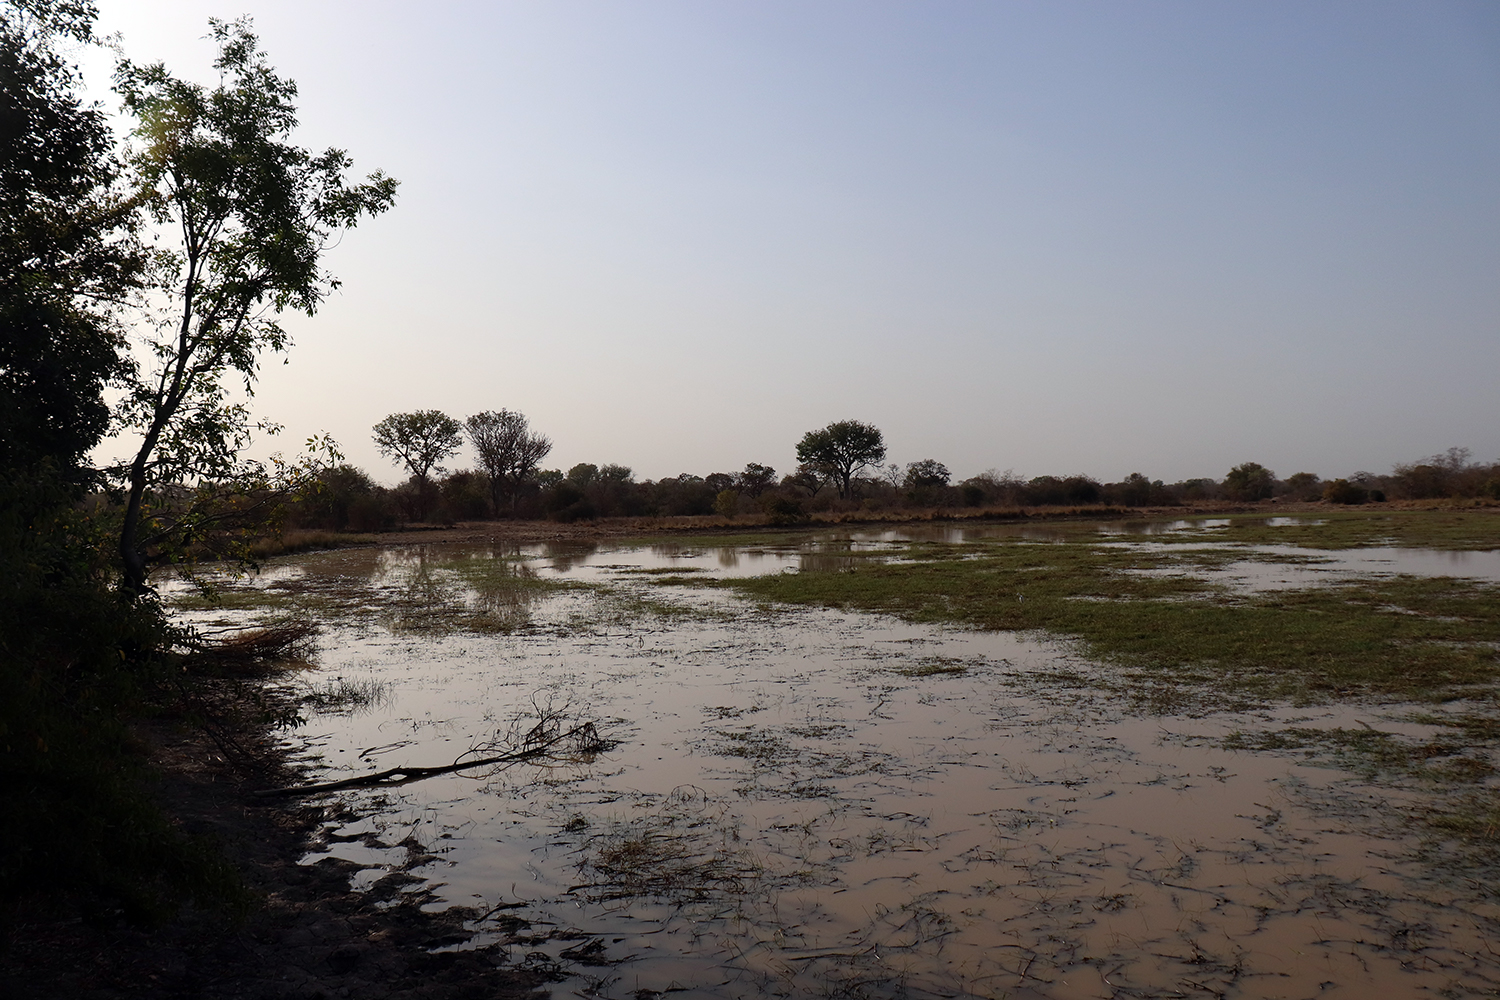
{"points": [[68, 256], [926, 474], [509, 452], [249, 215], [420, 441], [840, 450], [755, 479], [1249, 481], [1304, 486]]}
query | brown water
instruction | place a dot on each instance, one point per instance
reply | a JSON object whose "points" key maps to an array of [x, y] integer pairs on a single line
{"points": [[806, 802]]}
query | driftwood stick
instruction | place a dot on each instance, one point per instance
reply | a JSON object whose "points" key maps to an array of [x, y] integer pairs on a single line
{"points": [[403, 775]]}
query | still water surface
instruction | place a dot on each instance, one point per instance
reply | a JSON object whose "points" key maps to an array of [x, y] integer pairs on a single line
{"points": [[803, 802]]}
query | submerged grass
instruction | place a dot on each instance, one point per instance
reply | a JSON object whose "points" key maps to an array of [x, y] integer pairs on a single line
{"points": [[1458, 776], [1453, 530], [1406, 637]]}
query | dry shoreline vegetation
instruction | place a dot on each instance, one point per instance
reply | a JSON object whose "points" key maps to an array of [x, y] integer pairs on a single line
{"points": [[1167, 632]]}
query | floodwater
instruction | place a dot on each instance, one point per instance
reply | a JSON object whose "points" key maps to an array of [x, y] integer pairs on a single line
{"points": [[800, 802]]}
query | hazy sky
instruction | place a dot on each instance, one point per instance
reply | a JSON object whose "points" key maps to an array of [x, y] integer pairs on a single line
{"points": [[1053, 237]]}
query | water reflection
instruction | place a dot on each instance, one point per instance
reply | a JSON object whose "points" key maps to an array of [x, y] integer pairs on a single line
{"points": [[809, 802], [564, 556], [797, 807]]}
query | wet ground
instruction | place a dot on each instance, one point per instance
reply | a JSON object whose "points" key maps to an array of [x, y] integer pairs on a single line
{"points": [[802, 802]]}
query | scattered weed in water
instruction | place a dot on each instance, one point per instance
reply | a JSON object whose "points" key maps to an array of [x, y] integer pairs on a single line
{"points": [[342, 696], [1477, 530], [253, 648], [1459, 802], [935, 666], [731, 712], [660, 571], [689, 850]]}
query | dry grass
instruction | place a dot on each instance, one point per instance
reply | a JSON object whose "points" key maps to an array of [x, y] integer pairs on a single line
{"points": [[255, 648]]}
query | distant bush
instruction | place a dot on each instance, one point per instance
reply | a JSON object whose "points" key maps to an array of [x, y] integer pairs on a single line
{"points": [[1248, 482], [1137, 491], [992, 487], [463, 496], [1046, 491], [567, 503], [1196, 489], [1345, 492], [1302, 486], [783, 510]]}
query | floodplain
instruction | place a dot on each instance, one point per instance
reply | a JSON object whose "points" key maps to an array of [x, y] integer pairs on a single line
{"points": [[1230, 757]]}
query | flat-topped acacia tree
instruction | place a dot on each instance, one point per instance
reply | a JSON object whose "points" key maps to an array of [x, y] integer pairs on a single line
{"points": [[244, 216], [840, 450]]}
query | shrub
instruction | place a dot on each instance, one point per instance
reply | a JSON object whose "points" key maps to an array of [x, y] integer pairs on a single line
{"points": [[1345, 492], [783, 510], [1249, 481], [1303, 486], [567, 503]]}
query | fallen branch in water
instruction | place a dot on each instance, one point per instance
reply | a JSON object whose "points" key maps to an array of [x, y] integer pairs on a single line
{"points": [[586, 738]]}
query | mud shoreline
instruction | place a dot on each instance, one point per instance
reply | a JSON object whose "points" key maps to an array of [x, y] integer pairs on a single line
{"points": [[307, 934]]}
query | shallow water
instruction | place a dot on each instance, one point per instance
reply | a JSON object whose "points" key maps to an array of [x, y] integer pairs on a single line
{"points": [[806, 802]]}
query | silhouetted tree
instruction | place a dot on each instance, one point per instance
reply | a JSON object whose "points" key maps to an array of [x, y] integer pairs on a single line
{"points": [[420, 441], [840, 450], [68, 256], [1344, 492], [1303, 486], [1135, 490], [926, 474], [509, 452], [252, 214], [755, 479]]}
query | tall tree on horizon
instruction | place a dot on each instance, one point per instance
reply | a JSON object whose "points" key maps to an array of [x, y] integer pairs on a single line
{"points": [[840, 450], [509, 452]]}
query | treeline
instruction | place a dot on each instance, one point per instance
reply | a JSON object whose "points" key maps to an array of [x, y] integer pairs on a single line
{"points": [[848, 474]]}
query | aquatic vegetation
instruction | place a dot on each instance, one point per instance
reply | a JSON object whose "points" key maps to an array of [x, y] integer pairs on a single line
{"points": [[1151, 614]]}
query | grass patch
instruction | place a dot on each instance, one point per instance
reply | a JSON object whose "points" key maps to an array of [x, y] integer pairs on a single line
{"points": [[342, 696], [935, 666], [1413, 638], [293, 542], [1457, 531]]}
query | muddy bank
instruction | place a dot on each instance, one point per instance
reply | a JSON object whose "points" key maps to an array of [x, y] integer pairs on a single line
{"points": [[306, 935]]}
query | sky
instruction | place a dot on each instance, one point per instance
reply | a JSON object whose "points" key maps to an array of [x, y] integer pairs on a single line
{"points": [[1054, 238]]}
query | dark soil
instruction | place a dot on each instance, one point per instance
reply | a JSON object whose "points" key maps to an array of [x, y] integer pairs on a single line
{"points": [[307, 935]]}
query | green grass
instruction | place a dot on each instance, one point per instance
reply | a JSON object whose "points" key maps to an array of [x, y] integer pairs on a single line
{"points": [[1476, 530], [1403, 637]]}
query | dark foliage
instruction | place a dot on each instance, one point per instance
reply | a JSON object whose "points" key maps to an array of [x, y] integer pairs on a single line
{"points": [[67, 255]]}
